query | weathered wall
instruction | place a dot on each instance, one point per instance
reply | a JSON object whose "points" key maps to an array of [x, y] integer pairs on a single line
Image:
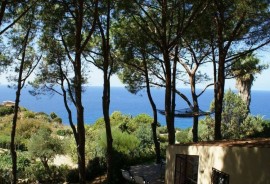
{"points": [[247, 165]]}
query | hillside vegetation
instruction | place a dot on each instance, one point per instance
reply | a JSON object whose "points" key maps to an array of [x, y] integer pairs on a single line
{"points": [[41, 137]]}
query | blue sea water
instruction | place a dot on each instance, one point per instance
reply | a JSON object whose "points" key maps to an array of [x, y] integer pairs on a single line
{"points": [[127, 103]]}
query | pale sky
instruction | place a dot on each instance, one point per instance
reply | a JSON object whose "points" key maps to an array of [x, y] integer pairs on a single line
{"points": [[262, 81]]}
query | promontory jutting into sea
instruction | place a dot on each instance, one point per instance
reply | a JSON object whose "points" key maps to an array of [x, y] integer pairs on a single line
{"points": [[127, 103]]}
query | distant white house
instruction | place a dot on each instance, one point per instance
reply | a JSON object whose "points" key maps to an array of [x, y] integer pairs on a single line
{"points": [[222, 162], [8, 103]]}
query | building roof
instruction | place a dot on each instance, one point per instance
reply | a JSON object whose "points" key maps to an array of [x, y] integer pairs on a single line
{"points": [[258, 142]]}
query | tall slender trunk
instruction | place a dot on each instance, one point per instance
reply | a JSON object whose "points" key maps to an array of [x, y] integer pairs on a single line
{"points": [[107, 66], [154, 109], [219, 97], [80, 120], [168, 78], [106, 108], [195, 109], [168, 102], [20, 85], [79, 10], [13, 131]]}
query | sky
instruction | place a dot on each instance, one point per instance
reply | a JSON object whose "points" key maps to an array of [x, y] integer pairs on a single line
{"points": [[262, 81]]}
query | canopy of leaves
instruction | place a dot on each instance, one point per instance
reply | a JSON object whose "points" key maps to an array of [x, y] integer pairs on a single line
{"points": [[43, 146]]}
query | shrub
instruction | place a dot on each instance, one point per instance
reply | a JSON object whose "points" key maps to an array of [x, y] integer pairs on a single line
{"points": [[184, 136], [44, 147], [95, 167], [29, 114], [145, 136], [36, 172], [5, 110], [6, 164], [5, 176], [163, 130], [5, 141], [53, 115], [137, 121], [122, 142], [72, 176], [65, 132], [27, 127], [57, 120], [251, 127]]}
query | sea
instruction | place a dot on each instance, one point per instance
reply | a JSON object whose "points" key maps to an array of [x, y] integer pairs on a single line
{"points": [[125, 102]]}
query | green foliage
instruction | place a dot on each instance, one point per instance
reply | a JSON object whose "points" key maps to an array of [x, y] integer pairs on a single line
{"points": [[53, 115], [206, 129], [5, 110], [138, 121], [184, 136], [145, 136], [58, 120], [5, 141], [44, 146], [29, 114], [234, 108], [64, 132], [37, 172], [122, 142], [236, 123], [72, 176], [163, 130], [95, 167], [28, 127], [6, 164], [251, 126], [42, 116]]}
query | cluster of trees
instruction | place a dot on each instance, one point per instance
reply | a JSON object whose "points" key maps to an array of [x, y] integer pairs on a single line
{"points": [[236, 123], [147, 43], [40, 139]]}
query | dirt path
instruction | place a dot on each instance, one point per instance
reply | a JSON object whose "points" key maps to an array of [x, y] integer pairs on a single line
{"points": [[64, 160]]}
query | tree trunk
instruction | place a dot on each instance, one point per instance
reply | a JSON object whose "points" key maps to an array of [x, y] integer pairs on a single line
{"points": [[80, 127], [168, 102], [106, 106], [168, 77], [79, 10], [107, 66], [154, 109], [219, 97], [20, 85], [195, 109]]}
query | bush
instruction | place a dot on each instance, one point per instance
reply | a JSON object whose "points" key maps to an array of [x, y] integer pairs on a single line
{"points": [[5, 110], [45, 147], [29, 114], [53, 115], [6, 164], [57, 120], [72, 176], [145, 136], [65, 132], [163, 130], [184, 136], [95, 167], [28, 127], [36, 172], [5, 141], [5, 176], [251, 127], [137, 121]]}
